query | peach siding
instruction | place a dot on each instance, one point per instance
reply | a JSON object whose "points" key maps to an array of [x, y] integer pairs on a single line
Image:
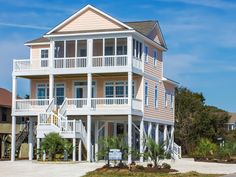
{"points": [[100, 83], [89, 20], [161, 112], [35, 55], [149, 67]]}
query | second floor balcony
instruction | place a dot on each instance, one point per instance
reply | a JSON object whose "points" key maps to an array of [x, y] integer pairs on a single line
{"points": [[96, 54]]}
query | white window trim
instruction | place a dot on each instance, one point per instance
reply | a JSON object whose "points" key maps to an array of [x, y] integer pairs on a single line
{"points": [[155, 60], [114, 96], [45, 87], [73, 87], [166, 99], [156, 98], [171, 101], [146, 54], [146, 84]]}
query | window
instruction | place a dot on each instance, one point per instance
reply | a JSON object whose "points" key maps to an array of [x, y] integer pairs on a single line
{"points": [[110, 46], [4, 114], [166, 99], [146, 94], [117, 89], [121, 48], [44, 57], [156, 96], [146, 54], [171, 101], [59, 49], [81, 48], [59, 93], [42, 91], [97, 47], [155, 57], [137, 49], [70, 48]]}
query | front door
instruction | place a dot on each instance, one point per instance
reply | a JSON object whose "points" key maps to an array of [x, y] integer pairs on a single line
{"points": [[60, 93], [80, 91]]}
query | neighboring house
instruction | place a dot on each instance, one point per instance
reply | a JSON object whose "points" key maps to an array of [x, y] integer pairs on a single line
{"points": [[5, 123], [94, 76], [231, 125]]}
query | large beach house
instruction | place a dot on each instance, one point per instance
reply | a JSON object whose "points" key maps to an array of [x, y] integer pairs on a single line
{"points": [[94, 76]]}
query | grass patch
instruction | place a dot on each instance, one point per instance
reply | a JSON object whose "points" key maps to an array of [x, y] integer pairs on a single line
{"points": [[124, 173]]}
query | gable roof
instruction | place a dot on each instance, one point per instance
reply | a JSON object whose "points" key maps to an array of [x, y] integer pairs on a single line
{"points": [[232, 118], [143, 27], [83, 10], [5, 98]]}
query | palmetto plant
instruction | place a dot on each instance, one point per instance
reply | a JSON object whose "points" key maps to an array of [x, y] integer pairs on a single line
{"points": [[154, 151]]}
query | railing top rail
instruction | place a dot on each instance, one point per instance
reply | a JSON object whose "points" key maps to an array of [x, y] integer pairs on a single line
{"points": [[64, 58], [29, 100], [72, 99], [113, 98], [101, 56], [16, 60]]}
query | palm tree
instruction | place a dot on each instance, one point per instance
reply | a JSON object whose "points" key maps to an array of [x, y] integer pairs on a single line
{"points": [[154, 151]]}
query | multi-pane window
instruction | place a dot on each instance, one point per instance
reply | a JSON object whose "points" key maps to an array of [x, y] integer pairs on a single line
{"points": [[117, 89], [166, 99], [60, 93], [146, 54], [156, 96], [155, 57], [137, 49], [42, 91], [146, 94], [171, 101], [44, 57]]}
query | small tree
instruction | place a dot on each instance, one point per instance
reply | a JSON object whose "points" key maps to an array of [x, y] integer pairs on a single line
{"points": [[154, 151], [54, 144]]}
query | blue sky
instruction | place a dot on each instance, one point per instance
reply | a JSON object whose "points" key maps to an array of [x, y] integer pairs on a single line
{"points": [[200, 35]]}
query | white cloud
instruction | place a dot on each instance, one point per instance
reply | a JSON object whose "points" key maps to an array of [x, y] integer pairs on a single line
{"points": [[24, 26]]}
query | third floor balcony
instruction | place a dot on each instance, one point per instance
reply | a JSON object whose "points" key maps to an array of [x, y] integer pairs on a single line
{"points": [[98, 55]]}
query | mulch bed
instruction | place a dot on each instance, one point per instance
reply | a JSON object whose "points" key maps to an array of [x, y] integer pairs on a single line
{"points": [[126, 169]]}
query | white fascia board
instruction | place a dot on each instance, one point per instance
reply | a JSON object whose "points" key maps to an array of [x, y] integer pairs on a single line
{"points": [[92, 33], [40, 43], [81, 11], [170, 81], [151, 41]]}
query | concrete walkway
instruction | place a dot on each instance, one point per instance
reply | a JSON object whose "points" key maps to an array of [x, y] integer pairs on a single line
{"points": [[32, 169]]}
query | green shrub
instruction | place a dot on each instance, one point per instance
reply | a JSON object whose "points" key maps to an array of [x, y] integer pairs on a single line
{"points": [[140, 167], [166, 166], [205, 149]]}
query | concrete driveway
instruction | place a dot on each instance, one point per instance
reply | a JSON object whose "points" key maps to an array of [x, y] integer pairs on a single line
{"points": [[32, 169]]}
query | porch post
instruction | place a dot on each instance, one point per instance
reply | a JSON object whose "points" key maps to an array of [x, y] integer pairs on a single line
{"points": [[74, 150], [89, 86], [165, 136], [157, 134], [30, 139], [130, 83], [13, 138], [38, 147], [89, 138], [149, 129], [3, 147], [141, 139], [80, 151], [172, 136], [129, 138], [51, 86], [96, 140]]}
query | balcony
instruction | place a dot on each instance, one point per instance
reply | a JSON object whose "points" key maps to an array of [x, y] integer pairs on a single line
{"points": [[102, 106], [31, 106]]}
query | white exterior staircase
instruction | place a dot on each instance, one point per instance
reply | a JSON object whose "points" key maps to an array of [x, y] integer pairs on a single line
{"points": [[53, 120]]}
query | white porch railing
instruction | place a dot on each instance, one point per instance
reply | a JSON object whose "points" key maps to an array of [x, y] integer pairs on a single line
{"points": [[137, 63], [63, 108], [109, 102], [32, 104], [177, 150], [72, 62], [109, 61], [27, 65], [137, 104], [49, 118], [76, 103]]}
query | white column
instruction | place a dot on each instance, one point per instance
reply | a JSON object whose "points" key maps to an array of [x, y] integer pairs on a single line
{"points": [[89, 89], [3, 147], [80, 151], [89, 138], [30, 139], [106, 129], [96, 140], [74, 150], [141, 139], [90, 52], [38, 147], [150, 129], [129, 51], [172, 136], [130, 82], [51, 86], [165, 136], [14, 88], [157, 134], [130, 137], [13, 138]]}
